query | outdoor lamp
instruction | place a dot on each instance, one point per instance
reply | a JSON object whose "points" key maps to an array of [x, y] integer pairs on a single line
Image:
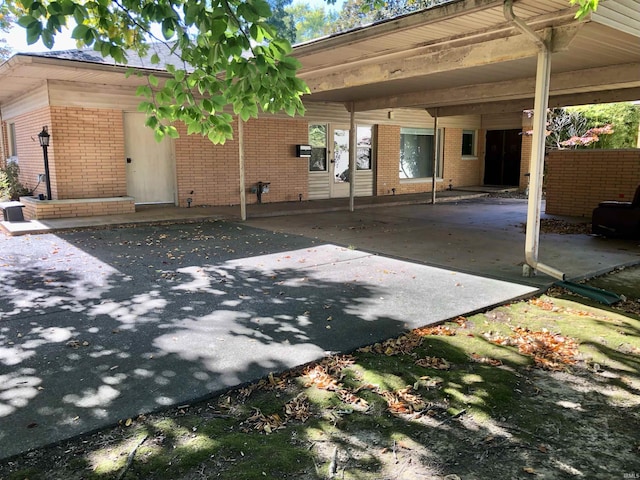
{"points": [[44, 137]]}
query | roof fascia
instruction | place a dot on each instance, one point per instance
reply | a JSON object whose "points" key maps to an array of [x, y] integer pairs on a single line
{"points": [[422, 17]]}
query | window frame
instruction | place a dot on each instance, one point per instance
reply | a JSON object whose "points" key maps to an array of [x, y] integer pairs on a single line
{"points": [[439, 154], [326, 148], [12, 140], [474, 144]]}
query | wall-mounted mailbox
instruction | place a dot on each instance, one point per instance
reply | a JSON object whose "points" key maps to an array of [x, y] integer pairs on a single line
{"points": [[303, 151]]}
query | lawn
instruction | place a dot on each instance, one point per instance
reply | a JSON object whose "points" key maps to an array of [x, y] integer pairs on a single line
{"points": [[543, 388]]}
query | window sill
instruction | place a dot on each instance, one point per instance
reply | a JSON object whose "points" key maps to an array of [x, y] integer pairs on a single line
{"points": [[419, 180], [469, 157]]}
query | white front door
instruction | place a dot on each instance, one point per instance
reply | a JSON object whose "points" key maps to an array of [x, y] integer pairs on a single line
{"points": [[150, 165], [339, 170]]}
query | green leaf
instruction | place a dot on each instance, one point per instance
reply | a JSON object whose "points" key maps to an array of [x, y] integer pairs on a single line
{"points": [[158, 135], [26, 21], [168, 28], [33, 33], [79, 32], [155, 59], [153, 80]]}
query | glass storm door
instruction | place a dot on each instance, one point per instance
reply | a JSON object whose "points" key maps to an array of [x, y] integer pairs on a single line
{"points": [[339, 170]]}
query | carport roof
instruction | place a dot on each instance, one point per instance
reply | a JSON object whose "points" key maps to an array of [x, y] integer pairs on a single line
{"points": [[465, 56], [462, 57]]}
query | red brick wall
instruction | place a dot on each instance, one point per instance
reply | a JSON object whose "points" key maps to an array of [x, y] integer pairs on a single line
{"points": [[577, 180], [212, 172], [90, 153]]}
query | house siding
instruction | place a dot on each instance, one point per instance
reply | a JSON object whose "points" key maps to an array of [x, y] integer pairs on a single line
{"points": [[577, 180]]}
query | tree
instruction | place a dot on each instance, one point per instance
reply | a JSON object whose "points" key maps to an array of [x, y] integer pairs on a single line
{"points": [[227, 56], [624, 118], [311, 22], [5, 25], [281, 20]]}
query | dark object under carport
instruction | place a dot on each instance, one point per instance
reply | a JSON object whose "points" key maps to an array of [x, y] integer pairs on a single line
{"points": [[12, 211], [618, 219]]}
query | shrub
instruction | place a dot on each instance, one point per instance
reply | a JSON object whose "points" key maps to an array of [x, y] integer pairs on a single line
{"points": [[10, 186]]}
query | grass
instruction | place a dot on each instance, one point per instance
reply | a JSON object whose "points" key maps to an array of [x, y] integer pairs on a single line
{"points": [[545, 388]]}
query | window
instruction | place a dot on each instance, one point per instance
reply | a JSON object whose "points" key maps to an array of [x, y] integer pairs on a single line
{"points": [[318, 142], [416, 153], [363, 155], [468, 143], [13, 147]]}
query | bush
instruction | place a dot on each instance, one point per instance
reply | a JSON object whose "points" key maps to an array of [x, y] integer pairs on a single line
{"points": [[10, 186]]}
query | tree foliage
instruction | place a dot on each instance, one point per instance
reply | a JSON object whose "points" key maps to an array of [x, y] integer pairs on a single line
{"points": [[223, 56], [311, 22], [281, 20], [624, 118], [604, 126], [6, 21]]}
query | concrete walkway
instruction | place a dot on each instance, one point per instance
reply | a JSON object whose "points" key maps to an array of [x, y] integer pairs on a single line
{"points": [[99, 325]]}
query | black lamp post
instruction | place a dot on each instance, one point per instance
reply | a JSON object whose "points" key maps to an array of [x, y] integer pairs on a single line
{"points": [[44, 137]]}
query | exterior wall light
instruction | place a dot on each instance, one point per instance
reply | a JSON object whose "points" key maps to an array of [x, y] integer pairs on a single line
{"points": [[43, 138]]}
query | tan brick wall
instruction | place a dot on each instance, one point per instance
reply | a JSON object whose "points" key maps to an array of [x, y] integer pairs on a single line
{"points": [[525, 157], [461, 172], [30, 157], [90, 153], [388, 158], [577, 180], [38, 210], [212, 172]]}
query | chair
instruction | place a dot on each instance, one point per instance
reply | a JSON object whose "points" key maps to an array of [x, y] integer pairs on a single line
{"points": [[618, 219]]}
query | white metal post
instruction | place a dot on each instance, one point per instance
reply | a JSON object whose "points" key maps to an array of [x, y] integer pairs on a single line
{"points": [[243, 194], [352, 157]]}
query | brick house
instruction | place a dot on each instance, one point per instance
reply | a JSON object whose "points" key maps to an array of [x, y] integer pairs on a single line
{"points": [[459, 67]]}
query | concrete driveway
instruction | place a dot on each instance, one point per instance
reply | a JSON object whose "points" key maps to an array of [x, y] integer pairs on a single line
{"points": [[100, 325], [483, 236]]}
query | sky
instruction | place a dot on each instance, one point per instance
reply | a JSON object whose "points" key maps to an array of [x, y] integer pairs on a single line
{"points": [[17, 37]]}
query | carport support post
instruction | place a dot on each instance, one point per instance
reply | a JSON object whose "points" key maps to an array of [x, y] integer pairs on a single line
{"points": [[536, 164], [243, 193], [353, 139], [435, 157]]}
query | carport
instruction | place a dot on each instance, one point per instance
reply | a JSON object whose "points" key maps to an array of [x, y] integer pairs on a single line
{"points": [[483, 57]]}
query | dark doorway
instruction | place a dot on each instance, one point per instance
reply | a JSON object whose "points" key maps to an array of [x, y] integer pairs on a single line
{"points": [[502, 157]]}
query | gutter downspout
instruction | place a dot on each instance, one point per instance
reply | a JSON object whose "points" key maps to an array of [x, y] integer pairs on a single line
{"points": [[435, 157], [352, 156], [543, 75]]}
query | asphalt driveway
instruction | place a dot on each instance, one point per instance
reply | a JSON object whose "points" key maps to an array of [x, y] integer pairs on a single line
{"points": [[99, 326]]}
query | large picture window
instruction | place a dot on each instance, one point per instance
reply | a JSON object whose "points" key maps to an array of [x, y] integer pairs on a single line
{"points": [[416, 153], [318, 142]]}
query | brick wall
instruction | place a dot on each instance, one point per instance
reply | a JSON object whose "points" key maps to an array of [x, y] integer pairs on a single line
{"points": [[35, 209], [30, 157], [89, 144], [577, 180], [525, 157], [211, 172], [388, 158], [460, 171]]}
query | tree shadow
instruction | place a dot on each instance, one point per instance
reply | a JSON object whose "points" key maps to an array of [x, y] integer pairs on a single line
{"points": [[97, 327]]}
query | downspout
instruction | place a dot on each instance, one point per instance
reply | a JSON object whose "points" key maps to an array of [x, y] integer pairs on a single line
{"points": [[435, 157], [241, 168], [543, 75]]}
